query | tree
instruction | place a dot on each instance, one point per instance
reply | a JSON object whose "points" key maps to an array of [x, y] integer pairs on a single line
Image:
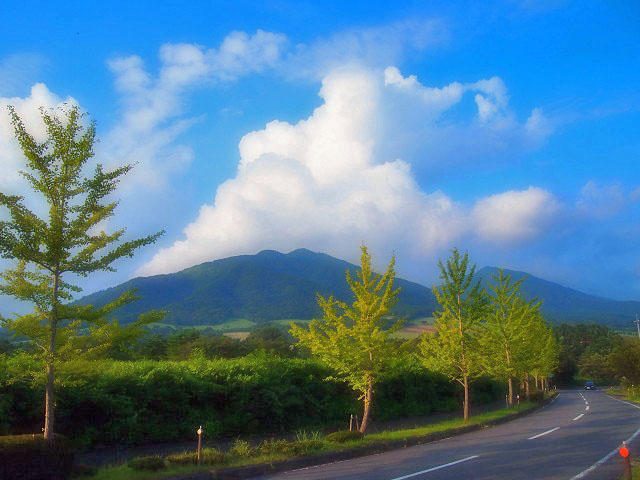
{"points": [[355, 340], [65, 241], [505, 340], [454, 350]]}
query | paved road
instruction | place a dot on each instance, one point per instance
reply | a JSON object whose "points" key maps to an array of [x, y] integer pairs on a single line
{"points": [[560, 442]]}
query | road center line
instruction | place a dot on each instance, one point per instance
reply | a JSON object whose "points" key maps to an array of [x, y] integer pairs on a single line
{"points": [[578, 417], [433, 469], [543, 433]]}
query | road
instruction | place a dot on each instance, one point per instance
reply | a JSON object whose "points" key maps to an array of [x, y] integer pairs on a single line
{"points": [[570, 439]]}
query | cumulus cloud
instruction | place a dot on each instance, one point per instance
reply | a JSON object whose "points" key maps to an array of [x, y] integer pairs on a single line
{"points": [[432, 137], [325, 183], [514, 215]]}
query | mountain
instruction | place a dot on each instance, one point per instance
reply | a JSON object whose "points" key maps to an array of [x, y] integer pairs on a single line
{"points": [[262, 287], [272, 285], [563, 304]]}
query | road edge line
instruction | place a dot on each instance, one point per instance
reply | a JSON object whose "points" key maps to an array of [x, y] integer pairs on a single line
{"points": [[612, 453]]}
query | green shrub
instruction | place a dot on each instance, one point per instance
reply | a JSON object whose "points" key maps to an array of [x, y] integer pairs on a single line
{"points": [[241, 448], [342, 436], [133, 402], [303, 435], [210, 456], [274, 447], [151, 463], [537, 396], [305, 447], [31, 457], [290, 449]]}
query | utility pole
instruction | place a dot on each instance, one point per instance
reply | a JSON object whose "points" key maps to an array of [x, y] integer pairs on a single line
{"points": [[637, 322]]}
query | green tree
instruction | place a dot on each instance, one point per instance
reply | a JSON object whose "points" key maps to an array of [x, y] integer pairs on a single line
{"points": [[454, 350], [65, 241], [354, 340], [540, 357], [505, 341]]}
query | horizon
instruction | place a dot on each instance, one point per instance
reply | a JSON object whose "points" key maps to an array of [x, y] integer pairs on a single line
{"points": [[507, 129]]}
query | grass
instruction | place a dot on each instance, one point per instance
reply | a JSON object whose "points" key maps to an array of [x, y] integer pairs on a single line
{"points": [[631, 393], [308, 444], [415, 327]]}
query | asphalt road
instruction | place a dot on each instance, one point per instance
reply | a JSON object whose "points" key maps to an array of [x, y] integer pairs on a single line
{"points": [[572, 438]]}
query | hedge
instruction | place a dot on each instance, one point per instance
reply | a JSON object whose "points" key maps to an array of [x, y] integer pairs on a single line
{"points": [[107, 402], [31, 457]]}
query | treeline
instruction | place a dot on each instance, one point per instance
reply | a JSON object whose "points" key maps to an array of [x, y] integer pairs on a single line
{"points": [[596, 352], [130, 402], [494, 333]]}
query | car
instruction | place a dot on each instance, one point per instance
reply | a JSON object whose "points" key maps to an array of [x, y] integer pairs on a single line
{"points": [[589, 386]]}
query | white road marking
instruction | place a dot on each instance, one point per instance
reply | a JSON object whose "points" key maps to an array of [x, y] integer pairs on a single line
{"points": [[611, 454], [587, 408], [543, 433], [578, 417], [437, 468]]}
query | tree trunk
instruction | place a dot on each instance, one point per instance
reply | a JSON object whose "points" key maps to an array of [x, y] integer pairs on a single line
{"points": [[526, 388], [49, 402], [466, 399], [368, 398], [510, 385], [49, 398]]}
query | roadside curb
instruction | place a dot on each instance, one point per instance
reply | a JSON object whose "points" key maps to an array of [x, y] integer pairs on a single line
{"points": [[238, 473]]}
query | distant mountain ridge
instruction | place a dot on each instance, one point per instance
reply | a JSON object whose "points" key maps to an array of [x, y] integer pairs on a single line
{"points": [[267, 286], [564, 304], [271, 285]]}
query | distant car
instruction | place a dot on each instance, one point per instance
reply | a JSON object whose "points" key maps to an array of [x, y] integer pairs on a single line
{"points": [[589, 386]]}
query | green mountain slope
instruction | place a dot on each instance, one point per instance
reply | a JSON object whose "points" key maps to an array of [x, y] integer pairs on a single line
{"points": [[563, 304], [263, 287], [272, 285]]}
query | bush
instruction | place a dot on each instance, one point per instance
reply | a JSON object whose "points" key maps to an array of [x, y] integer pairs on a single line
{"points": [[274, 447], [342, 436], [31, 457], [151, 463], [133, 402], [210, 456], [537, 396], [241, 448]]}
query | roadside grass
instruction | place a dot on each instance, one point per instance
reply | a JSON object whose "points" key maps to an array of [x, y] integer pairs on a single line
{"points": [[307, 444], [631, 393]]}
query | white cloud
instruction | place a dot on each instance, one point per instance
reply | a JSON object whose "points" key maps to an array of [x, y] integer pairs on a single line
{"points": [[601, 201], [325, 183], [429, 136], [374, 47], [514, 215], [152, 106]]}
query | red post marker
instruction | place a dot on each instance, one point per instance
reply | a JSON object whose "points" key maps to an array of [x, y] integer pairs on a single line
{"points": [[624, 453]]}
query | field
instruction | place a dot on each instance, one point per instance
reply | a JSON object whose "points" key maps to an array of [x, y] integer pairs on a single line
{"points": [[240, 328]]}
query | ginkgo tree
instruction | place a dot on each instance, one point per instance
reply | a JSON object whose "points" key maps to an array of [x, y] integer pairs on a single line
{"points": [[507, 348], [454, 349], [50, 249], [354, 340]]}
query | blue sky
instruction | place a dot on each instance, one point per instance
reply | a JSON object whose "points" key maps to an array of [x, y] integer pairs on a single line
{"points": [[506, 128]]}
